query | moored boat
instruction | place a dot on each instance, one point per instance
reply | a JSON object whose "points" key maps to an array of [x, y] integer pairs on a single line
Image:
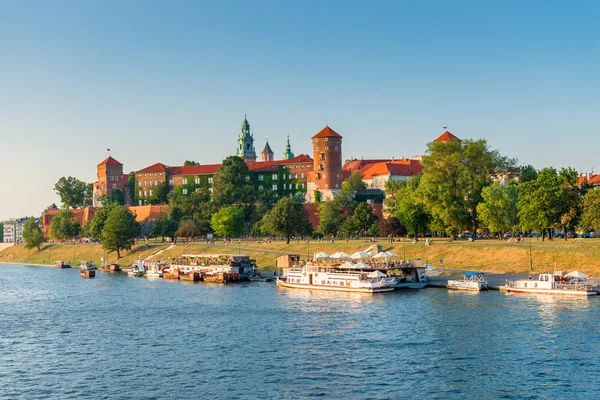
{"points": [[154, 269], [473, 281], [62, 264], [111, 268], [191, 276], [408, 275], [336, 277], [137, 269], [553, 283], [221, 277], [171, 273], [87, 269], [215, 263]]}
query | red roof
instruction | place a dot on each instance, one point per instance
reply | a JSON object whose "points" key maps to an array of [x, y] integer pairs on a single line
{"points": [[273, 165], [446, 136], [158, 167], [595, 180], [397, 168], [356, 165], [195, 169], [110, 161], [327, 132]]}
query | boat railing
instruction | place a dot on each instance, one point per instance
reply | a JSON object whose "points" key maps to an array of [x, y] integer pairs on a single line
{"points": [[576, 286]]}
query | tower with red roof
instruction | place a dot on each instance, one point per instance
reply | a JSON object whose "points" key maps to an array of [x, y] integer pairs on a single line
{"points": [[326, 176]]}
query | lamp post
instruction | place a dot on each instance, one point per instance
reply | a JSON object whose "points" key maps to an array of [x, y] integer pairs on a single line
{"points": [[530, 257], [307, 249]]}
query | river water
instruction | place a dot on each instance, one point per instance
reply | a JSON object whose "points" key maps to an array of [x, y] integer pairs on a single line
{"points": [[116, 337]]}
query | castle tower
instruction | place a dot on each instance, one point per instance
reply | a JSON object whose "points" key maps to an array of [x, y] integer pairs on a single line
{"points": [[110, 177], [267, 154], [245, 147], [326, 176], [288, 150]]}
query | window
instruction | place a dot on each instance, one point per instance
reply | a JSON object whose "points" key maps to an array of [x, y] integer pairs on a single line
{"points": [[302, 175], [112, 178], [145, 193], [140, 193], [210, 189], [321, 166], [336, 148], [260, 187], [197, 180], [155, 183], [150, 192], [145, 183], [302, 185], [247, 178], [274, 177], [260, 177], [317, 149], [184, 180], [184, 191], [114, 185], [210, 179], [140, 183], [326, 147], [171, 182], [290, 176], [274, 187], [327, 139]]}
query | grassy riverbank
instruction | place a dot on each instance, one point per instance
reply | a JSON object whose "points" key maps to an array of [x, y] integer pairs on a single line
{"points": [[488, 255]]}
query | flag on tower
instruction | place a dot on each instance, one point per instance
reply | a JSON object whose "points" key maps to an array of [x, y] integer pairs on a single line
{"points": [[444, 127], [107, 149]]}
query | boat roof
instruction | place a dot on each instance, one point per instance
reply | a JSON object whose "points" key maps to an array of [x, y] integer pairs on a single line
{"points": [[473, 273]]}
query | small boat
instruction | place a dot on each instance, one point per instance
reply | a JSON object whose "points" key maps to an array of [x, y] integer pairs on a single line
{"points": [[110, 267], [473, 281], [62, 264], [213, 263], [221, 277], [137, 269], [191, 276], [408, 275], [87, 269], [172, 273], [154, 271], [555, 283]]}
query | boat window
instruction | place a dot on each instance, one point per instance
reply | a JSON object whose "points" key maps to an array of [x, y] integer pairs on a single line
{"points": [[535, 285], [525, 284]]}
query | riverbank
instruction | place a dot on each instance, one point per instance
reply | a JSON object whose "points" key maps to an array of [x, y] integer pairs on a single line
{"points": [[485, 255]]}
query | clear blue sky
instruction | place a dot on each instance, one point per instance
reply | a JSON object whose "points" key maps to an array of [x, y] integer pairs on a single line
{"points": [[159, 81]]}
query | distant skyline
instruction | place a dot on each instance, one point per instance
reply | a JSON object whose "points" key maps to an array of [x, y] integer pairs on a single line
{"points": [[169, 81]]}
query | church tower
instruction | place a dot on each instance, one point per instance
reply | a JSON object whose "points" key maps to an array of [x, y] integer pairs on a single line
{"points": [[288, 150], [245, 147], [267, 154], [326, 176]]}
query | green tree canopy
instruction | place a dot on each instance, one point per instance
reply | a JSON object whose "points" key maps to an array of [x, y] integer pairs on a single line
{"points": [[363, 219], [405, 202], [120, 230], [286, 219], [353, 184], [332, 214], [165, 227], [188, 228], [95, 226], [228, 222], [189, 163], [32, 234], [528, 173], [498, 211], [160, 194], [590, 218], [64, 226], [73, 192], [454, 174], [231, 184]]}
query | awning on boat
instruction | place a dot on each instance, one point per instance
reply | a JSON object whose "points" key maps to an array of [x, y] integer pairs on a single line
{"points": [[376, 274], [391, 254], [340, 254], [381, 254], [321, 254], [473, 273], [359, 254], [576, 274]]}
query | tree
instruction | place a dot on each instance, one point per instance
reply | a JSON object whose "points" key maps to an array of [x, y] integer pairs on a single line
{"points": [[286, 219], [540, 202], [590, 218], [131, 184], [391, 227], [228, 222], [160, 194], [332, 214], [528, 173], [363, 217], [1, 232], [570, 208], [353, 184], [231, 185], [189, 163], [165, 227], [120, 230], [498, 210], [95, 226], [405, 203], [454, 173], [32, 234], [73, 192], [188, 228], [63, 226]]}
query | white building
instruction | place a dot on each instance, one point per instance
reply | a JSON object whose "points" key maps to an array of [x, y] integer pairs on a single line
{"points": [[13, 230]]}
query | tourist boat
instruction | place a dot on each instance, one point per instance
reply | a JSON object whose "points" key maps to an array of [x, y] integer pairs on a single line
{"points": [[111, 268], [221, 277], [215, 263], [62, 264], [191, 276], [154, 269], [552, 283], [408, 275], [345, 277], [172, 273], [87, 269], [137, 269], [474, 281]]}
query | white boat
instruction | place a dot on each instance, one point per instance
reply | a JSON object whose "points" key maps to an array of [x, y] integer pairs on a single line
{"points": [[137, 269], [333, 276], [87, 269], [217, 263], [555, 283], [474, 281]]}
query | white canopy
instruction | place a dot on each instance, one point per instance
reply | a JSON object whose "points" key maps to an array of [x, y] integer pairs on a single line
{"points": [[359, 254], [576, 274], [391, 254], [381, 254], [321, 254], [347, 265], [342, 254], [376, 274]]}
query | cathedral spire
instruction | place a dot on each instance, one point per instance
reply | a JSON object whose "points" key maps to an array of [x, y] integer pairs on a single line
{"points": [[245, 148], [288, 149]]}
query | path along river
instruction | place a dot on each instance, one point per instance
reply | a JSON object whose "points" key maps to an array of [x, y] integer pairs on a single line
{"points": [[115, 337]]}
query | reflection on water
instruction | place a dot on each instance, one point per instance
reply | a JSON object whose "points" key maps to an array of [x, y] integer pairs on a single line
{"points": [[66, 337]]}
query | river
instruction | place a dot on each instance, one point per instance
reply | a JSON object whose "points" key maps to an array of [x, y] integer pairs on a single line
{"points": [[116, 337]]}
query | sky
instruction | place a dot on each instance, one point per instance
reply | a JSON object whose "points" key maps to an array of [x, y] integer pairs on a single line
{"points": [[159, 81]]}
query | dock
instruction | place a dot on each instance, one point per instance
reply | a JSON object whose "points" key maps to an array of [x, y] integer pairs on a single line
{"points": [[495, 281]]}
